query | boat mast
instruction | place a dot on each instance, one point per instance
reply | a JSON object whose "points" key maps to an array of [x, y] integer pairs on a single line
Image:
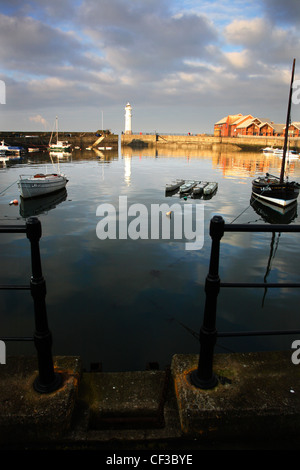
{"points": [[56, 123], [287, 125]]}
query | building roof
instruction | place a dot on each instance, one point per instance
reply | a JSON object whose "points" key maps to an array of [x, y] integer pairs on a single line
{"points": [[242, 118], [231, 117], [248, 123]]}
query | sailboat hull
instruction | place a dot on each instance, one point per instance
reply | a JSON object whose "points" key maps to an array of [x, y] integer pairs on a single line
{"points": [[274, 192]]}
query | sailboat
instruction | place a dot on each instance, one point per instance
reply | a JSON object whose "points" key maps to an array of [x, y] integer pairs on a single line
{"points": [[60, 145], [274, 190], [40, 184]]}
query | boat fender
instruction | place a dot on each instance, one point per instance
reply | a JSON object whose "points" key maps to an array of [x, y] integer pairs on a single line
{"points": [[14, 202]]}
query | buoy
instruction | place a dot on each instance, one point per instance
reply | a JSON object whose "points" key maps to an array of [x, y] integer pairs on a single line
{"points": [[14, 202]]}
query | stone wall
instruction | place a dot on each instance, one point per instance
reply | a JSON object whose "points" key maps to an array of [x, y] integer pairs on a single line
{"points": [[205, 141]]}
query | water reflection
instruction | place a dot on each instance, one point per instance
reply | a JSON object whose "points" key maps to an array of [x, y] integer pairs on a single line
{"points": [[42, 204], [129, 302], [275, 215]]}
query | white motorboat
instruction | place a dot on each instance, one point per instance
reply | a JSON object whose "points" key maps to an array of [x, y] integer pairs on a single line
{"points": [[11, 149], [268, 150], [40, 184]]}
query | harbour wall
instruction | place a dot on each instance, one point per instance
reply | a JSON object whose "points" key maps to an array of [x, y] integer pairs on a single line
{"points": [[206, 141], [175, 141], [76, 139]]}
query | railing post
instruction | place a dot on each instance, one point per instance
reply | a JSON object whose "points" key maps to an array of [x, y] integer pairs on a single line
{"points": [[203, 377], [47, 381]]}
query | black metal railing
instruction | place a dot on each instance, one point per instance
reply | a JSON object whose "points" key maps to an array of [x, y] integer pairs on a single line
{"points": [[47, 380], [204, 377]]}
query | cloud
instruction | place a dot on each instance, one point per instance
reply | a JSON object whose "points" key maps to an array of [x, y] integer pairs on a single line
{"points": [[32, 47], [164, 53], [287, 12], [144, 40], [39, 120]]}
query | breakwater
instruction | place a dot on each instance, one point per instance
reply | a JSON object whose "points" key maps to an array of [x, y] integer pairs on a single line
{"points": [[205, 141], [83, 140], [76, 139]]}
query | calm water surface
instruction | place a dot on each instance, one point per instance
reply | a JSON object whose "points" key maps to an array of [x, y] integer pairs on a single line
{"points": [[126, 303]]}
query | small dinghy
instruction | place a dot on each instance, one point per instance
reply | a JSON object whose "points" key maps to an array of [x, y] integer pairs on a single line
{"points": [[198, 189], [187, 186], [174, 185], [40, 184]]}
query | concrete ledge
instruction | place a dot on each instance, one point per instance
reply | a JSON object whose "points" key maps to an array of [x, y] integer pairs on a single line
{"points": [[259, 397], [256, 405], [26, 415], [127, 399]]}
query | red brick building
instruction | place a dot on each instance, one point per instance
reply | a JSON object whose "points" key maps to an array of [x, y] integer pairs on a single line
{"points": [[237, 124], [294, 129], [222, 128]]}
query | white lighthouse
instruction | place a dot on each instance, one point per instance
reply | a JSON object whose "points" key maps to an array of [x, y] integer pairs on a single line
{"points": [[128, 114]]}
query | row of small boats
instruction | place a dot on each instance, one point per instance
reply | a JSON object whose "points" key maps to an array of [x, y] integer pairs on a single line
{"points": [[191, 186]]}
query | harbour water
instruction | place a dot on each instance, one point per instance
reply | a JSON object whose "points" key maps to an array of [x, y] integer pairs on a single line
{"points": [[128, 302]]}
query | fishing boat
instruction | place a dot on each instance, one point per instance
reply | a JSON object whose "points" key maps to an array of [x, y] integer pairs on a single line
{"points": [[273, 189], [41, 184], [59, 145], [174, 185], [187, 186], [210, 188], [198, 189]]}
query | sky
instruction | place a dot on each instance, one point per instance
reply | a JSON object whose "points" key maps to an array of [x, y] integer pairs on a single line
{"points": [[182, 65]]}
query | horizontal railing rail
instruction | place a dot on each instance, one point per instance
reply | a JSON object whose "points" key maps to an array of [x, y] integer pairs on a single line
{"points": [[203, 376], [47, 380]]}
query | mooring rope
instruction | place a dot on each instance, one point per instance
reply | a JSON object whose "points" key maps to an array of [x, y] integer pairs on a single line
{"points": [[8, 187], [254, 200]]}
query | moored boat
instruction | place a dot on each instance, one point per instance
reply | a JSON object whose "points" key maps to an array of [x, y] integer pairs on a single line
{"points": [[268, 150], [210, 188], [174, 185], [40, 184], [269, 188], [59, 145], [278, 190], [14, 150], [198, 189], [187, 186]]}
